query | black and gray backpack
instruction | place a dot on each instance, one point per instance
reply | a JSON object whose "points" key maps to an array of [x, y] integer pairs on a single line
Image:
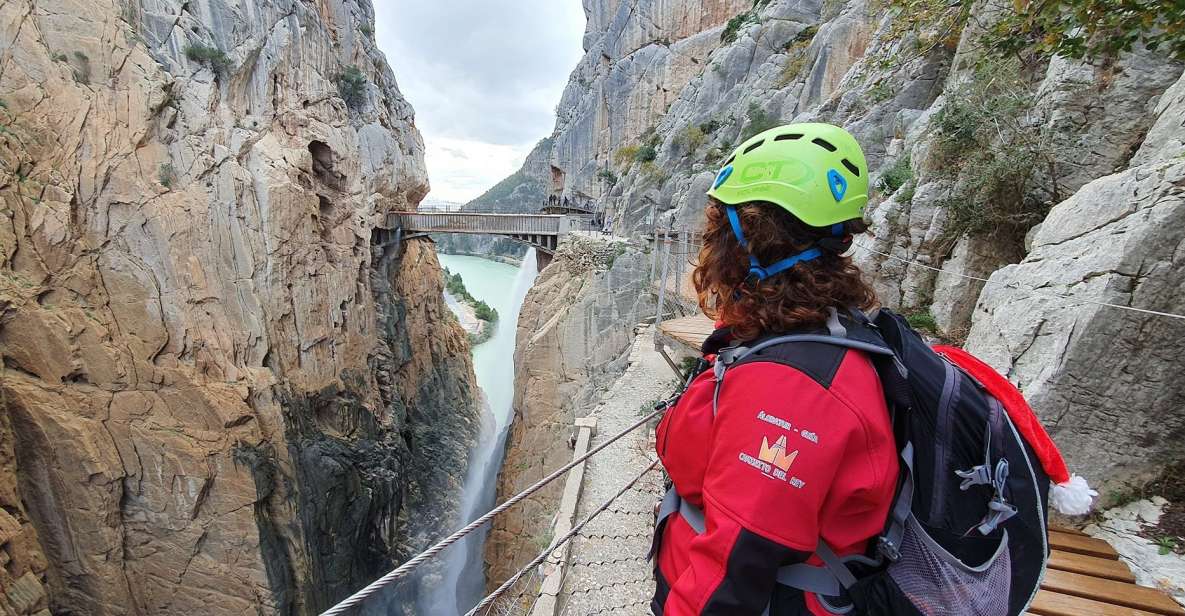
{"points": [[966, 535]]}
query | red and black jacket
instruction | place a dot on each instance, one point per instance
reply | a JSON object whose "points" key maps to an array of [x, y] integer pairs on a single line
{"points": [[800, 448]]}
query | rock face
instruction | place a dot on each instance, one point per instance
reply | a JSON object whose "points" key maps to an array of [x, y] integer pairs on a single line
{"points": [[1106, 380], [574, 333], [221, 393], [1090, 147]]}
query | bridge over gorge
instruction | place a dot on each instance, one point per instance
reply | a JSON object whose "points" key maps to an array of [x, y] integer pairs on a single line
{"points": [[541, 231]]}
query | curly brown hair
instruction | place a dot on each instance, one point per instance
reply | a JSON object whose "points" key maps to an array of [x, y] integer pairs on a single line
{"points": [[794, 299]]}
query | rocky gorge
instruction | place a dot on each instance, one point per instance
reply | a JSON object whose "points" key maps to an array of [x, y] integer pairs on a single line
{"points": [[1016, 194], [228, 386], [224, 390]]}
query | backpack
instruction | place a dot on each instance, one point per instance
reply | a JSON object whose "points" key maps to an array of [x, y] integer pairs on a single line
{"points": [[966, 533]]}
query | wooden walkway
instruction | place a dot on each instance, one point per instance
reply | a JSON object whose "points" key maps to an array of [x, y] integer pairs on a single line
{"points": [[1085, 576]]}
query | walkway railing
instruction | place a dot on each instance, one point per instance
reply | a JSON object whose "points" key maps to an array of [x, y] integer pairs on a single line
{"points": [[494, 224], [673, 253]]}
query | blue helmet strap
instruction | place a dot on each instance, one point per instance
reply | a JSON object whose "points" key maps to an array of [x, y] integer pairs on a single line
{"points": [[755, 268]]}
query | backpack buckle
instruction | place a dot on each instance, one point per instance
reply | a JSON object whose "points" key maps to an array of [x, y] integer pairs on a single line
{"points": [[888, 549]]}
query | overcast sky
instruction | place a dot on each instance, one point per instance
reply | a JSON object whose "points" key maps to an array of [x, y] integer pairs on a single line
{"points": [[484, 77]]}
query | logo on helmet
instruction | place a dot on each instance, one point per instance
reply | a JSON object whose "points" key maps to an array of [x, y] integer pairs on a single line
{"points": [[788, 171], [839, 185]]}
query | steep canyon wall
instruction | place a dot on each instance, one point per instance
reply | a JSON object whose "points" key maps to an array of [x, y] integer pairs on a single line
{"points": [[221, 394], [574, 333]]}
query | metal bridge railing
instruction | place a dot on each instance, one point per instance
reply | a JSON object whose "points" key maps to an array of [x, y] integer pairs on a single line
{"points": [[673, 256], [466, 222]]}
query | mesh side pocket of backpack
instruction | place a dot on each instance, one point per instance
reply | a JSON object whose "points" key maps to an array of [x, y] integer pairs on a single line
{"points": [[937, 584]]}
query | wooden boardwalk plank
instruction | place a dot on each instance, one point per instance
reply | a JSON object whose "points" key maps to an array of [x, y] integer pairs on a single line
{"points": [[1110, 591], [1080, 544], [1056, 604], [1091, 565]]}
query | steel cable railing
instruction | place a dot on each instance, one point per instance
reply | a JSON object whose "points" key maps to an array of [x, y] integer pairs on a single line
{"points": [[556, 544], [362, 595]]}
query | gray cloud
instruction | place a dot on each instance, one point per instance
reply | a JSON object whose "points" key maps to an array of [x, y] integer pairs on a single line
{"points": [[482, 70]]}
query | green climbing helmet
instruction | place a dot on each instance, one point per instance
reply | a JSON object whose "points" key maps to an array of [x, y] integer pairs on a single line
{"points": [[817, 172]]}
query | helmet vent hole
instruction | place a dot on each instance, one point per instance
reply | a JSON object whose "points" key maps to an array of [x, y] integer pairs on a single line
{"points": [[753, 147], [826, 145], [853, 168], [730, 160], [788, 137]]}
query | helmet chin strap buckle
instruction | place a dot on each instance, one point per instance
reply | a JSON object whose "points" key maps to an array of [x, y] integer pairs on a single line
{"points": [[757, 272]]}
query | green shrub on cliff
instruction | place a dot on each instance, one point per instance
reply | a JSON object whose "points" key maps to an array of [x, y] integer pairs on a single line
{"points": [[646, 153], [759, 122], [168, 175], [351, 85], [896, 176], [733, 28], [690, 139], [456, 287], [483, 311], [212, 57], [624, 156], [796, 54], [1089, 28], [989, 142]]}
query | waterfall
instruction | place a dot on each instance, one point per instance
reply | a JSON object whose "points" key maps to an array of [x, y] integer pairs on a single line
{"points": [[462, 582]]}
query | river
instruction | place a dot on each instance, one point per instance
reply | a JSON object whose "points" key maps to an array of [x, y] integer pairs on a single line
{"points": [[503, 287]]}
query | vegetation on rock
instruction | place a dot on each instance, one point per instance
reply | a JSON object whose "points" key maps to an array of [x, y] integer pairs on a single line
{"points": [[759, 121], [1082, 28], [211, 56], [733, 28], [796, 54], [988, 142], [625, 155], [690, 139], [710, 126], [456, 287], [351, 85], [168, 175], [897, 175]]}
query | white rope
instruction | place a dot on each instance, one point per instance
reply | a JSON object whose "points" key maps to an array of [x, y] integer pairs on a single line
{"points": [[490, 598], [360, 596], [1017, 287]]}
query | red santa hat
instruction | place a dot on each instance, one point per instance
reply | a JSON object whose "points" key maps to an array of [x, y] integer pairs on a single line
{"points": [[1070, 494]]}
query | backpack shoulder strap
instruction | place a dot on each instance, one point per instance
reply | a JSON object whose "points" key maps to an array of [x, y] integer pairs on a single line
{"points": [[888, 365]]}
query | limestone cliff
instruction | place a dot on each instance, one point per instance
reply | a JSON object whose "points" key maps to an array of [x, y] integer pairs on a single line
{"points": [[222, 392], [969, 152], [574, 332]]}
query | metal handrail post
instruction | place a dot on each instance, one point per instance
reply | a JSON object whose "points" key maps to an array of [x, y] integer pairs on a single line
{"points": [[662, 283]]}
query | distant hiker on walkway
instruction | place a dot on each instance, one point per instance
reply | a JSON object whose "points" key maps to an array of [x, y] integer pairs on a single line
{"points": [[794, 492]]}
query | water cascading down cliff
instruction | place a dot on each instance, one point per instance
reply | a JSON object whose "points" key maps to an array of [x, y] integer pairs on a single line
{"points": [[222, 394]]}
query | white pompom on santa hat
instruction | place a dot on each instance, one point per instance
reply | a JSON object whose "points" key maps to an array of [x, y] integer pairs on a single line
{"points": [[1069, 494]]}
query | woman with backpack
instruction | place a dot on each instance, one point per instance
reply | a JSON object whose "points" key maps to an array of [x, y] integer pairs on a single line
{"points": [[796, 447], [843, 466]]}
